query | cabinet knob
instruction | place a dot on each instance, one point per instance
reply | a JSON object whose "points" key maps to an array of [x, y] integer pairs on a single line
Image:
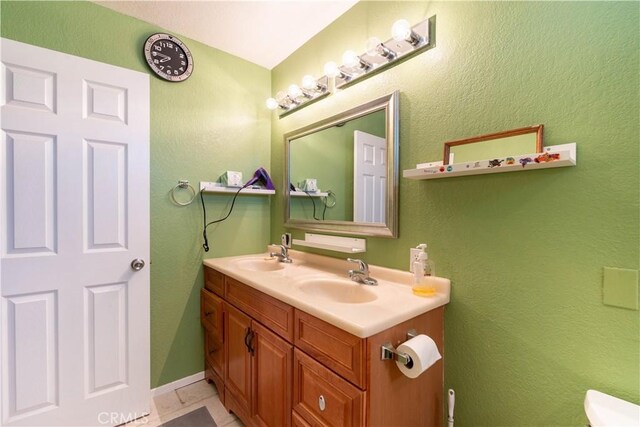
{"points": [[321, 403]]}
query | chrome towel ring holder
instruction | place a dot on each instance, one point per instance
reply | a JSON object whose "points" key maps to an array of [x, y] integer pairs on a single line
{"points": [[330, 199], [184, 185]]}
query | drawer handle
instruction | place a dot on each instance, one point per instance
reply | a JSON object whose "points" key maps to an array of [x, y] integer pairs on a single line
{"points": [[321, 403], [208, 313]]}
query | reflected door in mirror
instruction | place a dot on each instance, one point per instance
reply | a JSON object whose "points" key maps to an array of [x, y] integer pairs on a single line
{"points": [[370, 177]]}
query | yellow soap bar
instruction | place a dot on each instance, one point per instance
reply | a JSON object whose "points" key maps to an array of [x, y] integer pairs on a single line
{"points": [[424, 291]]}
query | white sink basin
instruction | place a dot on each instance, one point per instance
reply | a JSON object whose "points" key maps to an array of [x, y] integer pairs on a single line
{"points": [[258, 264], [337, 290], [603, 411]]}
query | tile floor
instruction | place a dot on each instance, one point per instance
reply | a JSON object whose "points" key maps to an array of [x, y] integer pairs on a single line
{"points": [[184, 400]]}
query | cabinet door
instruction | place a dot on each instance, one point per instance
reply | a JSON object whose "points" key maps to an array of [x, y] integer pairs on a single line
{"points": [[272, 374], [211, 313], [238, 370]]}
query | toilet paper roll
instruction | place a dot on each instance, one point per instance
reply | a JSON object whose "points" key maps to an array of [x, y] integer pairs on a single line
{"points": [[423, 352]]}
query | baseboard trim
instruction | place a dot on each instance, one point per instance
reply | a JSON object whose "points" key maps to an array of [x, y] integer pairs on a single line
{"points": [[177, 384]]}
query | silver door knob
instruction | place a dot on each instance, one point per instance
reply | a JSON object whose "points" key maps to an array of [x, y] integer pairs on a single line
{"points": [[137, 264]]}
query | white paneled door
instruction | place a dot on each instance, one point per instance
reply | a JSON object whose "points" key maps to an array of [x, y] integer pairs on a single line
{"points": [[369, 177], [74, 188]]}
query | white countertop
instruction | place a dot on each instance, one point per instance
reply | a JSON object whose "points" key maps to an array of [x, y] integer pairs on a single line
{"points": [[395, 302]]}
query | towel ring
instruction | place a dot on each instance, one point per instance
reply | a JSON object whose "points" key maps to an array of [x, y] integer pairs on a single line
{"points": [[330, 199], [183, 184]]}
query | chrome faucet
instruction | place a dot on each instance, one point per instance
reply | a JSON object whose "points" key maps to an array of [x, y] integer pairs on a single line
{"points": [[283, 256], [361, 275]]}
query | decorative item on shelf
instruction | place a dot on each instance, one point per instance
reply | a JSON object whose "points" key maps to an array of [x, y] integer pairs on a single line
{"points": [[554, 156], [523, 161], [405, 42], [546, 157]]}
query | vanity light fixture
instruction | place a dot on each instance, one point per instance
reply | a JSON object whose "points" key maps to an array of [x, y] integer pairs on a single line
{"points": [[401, 30], [331, 69], [312, 89], [351, 60], [294, 91], [310, 83], [405, 42], [272, 104], [376, 47]]}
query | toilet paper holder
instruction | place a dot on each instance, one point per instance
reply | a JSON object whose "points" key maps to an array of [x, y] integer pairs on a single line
{"points": [[389, 352]]}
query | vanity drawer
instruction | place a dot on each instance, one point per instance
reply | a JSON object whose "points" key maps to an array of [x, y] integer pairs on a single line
{"points": [[340, 351], [214, 281], [211, 315], [274, 314], [322, 398], [298, 421]]}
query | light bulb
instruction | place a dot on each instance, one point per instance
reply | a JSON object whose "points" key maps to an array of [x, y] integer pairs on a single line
{"points": [[281, 97], [309, 82], [331, 69], [401, 30], [272, 104], [373, 46], [294, 91], [350, 59]]}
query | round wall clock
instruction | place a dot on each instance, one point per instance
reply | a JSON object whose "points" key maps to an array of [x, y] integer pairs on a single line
{"points": [[168, 57]]}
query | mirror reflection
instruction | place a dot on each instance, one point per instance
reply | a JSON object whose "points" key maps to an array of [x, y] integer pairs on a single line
{"points": [[342, 172], [513, 142], [337, 158]]}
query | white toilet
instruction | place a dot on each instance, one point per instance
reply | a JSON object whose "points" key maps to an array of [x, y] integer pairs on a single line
{"points": [[607, 411]]}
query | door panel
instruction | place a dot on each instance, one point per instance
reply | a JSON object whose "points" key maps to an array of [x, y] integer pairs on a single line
{"points": [[272, 374], [238, 366], [74, 187], [30, 165], [105, 183], [370, 177], [106, 344], [32, 365]]}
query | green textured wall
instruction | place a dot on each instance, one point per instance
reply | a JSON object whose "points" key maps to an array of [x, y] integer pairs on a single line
{"points": [[526, 333], [212, 122]]}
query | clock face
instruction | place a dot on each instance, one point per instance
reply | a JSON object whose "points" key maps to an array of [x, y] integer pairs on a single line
{"points": [[168, 57]]}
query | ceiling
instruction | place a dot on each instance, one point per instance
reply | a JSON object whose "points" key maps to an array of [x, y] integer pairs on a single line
{"points": [[263, 32]]}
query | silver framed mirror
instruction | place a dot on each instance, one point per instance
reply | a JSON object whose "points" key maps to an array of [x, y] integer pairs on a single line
{"points": [[341, 173]]}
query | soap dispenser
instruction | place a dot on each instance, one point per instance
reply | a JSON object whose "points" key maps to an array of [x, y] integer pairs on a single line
{"points": [[422, 268]]}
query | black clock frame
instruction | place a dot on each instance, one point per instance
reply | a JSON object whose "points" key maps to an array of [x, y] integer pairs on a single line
{"points": [[160, 70]]}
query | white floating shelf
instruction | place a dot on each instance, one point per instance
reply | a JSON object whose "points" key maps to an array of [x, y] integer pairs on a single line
{"points": [[303, 194], [216, 187], [348, 245], [566, 156]]}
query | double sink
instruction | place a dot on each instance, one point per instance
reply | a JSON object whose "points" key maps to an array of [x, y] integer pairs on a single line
{"points": [[315, 285], [320, 286]]}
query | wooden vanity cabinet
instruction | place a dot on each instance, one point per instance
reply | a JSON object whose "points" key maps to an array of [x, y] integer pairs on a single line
{"points": [[283, 367], [212, 319]]}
